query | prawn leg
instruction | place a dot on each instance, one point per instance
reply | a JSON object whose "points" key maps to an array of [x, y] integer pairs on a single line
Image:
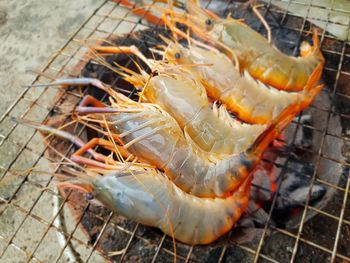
{"points": [[137, 79], [100, 108], [96, 106], [74, 82], [123, 50], [101, 160], [141, 12], [69, 137], [57, 132], [65, 82], [263, 21], [90, 100]]}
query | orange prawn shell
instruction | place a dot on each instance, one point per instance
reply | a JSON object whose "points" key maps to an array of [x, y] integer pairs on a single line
{"points": [[262, 60]]}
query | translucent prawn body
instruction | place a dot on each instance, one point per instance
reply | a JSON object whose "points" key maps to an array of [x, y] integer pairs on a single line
{"points": [[251, 100], [158, 140], [265, 62], [182, 95], [215, 131], [151, 199], [261, 59], [146, 196]]}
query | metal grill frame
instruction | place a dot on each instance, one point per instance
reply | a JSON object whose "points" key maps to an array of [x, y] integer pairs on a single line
{"points": [[72, 53]]}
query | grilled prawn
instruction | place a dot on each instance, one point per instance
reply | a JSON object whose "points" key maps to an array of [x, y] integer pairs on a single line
{"points": [[255, 53], [185, 99], [148, 197], [250, 100], [153, 136], [262, 60], [151, 199], [156, 138]]}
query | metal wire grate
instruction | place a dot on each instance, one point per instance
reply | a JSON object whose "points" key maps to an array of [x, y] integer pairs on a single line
{"points": [[27, 230]]}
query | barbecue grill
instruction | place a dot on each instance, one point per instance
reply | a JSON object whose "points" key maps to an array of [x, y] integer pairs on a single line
{"points": [[40, 224]]}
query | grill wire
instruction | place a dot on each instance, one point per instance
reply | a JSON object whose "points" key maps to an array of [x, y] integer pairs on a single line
{"points": [[22, 151]]}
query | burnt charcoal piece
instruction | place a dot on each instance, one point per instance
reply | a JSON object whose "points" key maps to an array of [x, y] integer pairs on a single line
{"points": [[295, 190]]}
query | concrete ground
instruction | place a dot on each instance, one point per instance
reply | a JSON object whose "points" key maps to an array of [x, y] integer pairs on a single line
{"points": [[30, 32]]}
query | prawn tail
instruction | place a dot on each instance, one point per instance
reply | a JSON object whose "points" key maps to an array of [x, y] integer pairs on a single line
{"points": [[306, 50], [312, 89], [273, 131], [317, 46], [313, 79], [310, 96]]}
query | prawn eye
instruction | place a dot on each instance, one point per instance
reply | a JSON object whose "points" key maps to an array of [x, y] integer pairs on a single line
{"points": [[177, 55], [89, 196], [209, 22]]}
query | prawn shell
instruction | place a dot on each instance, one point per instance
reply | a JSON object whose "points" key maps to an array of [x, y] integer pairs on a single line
{"points": [[152, 200], [256, 55], [251, 100], [186, 101]]}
